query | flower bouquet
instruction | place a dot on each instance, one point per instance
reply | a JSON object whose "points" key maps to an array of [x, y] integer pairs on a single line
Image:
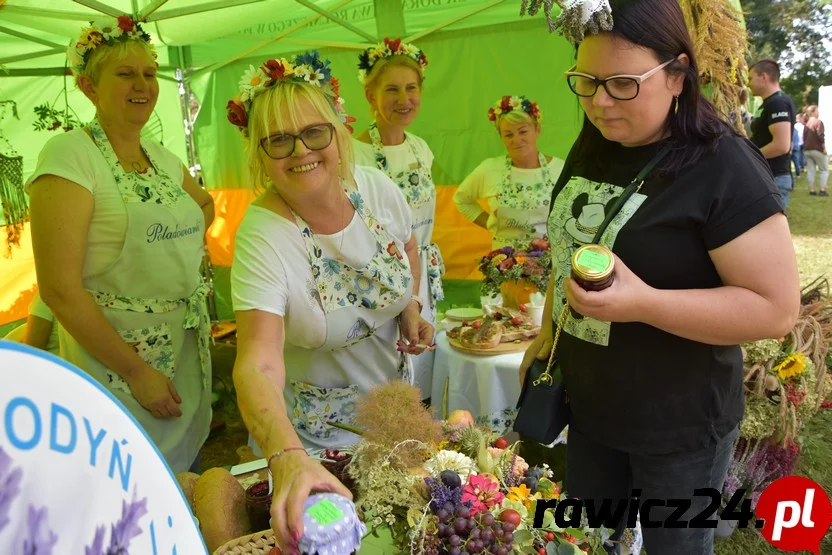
{"points": [[450, 487], [530, 264]]}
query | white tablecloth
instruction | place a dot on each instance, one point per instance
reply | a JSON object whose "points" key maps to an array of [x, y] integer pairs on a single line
{"points": [[487, 386]]}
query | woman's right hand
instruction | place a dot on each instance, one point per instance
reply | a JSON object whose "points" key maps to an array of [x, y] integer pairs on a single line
{"points": [[539, 349], [295, 476], [155, 392]]}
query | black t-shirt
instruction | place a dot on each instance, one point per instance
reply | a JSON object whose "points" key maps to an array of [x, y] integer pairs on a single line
{"points": [[776, 108], [632, 386]]}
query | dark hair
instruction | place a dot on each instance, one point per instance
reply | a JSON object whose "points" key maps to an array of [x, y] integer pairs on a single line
{"points": [[770, 68], [659, 25]]}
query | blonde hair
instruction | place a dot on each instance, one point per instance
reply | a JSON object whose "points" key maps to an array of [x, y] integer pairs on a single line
{"points": [[516, 116], [270, 108], [371, 83], [103, 53]]}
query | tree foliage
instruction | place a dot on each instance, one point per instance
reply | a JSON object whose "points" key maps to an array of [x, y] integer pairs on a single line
{"points": [[797, 34]]}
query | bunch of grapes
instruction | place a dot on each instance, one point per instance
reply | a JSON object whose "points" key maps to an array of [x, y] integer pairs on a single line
{"points": [[463, 533]]}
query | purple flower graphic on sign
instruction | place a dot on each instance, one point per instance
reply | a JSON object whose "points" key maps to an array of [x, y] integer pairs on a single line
{"points": [[40, 539], [122, 531], [9, 486]]}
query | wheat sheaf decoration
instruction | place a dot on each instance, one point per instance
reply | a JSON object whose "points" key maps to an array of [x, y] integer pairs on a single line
{"points": [[720, 44]]}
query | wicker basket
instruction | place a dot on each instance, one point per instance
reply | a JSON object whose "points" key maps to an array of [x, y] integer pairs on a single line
{"points": [[260, 543]]}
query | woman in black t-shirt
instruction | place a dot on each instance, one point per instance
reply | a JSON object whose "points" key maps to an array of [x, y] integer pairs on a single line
{"points": [[704, 262]]}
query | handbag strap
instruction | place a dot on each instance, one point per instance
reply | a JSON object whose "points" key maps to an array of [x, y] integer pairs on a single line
{"points": [[633, 187]]}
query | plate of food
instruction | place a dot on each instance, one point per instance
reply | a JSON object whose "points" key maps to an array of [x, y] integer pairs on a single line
{"points": [[465, 313], [502, 332]]}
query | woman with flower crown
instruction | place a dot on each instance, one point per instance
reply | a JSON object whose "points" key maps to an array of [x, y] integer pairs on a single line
{"points": [[517, 186], [392, 73], [325, 264], [117, 230]]}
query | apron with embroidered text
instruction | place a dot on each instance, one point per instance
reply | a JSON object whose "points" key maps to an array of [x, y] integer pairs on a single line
{"points": [[361, 306], [416, 184], [522, 208], [154, 297]]}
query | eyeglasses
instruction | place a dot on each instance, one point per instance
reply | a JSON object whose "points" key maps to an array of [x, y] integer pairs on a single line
{"points": [[619, 87], [280, 146]]}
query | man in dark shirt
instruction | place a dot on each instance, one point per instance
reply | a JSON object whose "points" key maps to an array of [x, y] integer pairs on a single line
{"points": [[773, 125]]}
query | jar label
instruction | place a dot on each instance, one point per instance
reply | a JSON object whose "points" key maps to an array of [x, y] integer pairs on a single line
{"points": [[594, 261], [325, 512]]}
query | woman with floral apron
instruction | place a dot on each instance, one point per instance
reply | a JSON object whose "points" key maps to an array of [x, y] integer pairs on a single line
{"points": [[392, 74], [142, 227], [517, 187], [325, 263]]}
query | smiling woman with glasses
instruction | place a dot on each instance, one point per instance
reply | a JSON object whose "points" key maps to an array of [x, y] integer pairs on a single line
{"points": [[323, 280], [703, 261]]}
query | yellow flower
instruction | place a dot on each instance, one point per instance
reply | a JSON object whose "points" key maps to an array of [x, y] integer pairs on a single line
{"points": [[91, 38], [442, 445], [520, 494], [794, 365]]}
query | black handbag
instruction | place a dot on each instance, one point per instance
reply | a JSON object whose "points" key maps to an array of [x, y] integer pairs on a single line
{"points": [[543, 406]]}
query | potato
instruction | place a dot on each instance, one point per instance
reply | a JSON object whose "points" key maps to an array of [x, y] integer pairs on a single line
{"points": [[220, 506]]}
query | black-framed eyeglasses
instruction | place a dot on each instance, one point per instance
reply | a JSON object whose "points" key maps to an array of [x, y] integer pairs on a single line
{"points": [[282, 145], [619, 87]]}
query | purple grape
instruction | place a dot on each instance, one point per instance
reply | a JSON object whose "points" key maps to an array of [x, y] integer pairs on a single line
{"points": [[475, 533], [499, 533], [454, 541], [450, 479], [443, 515], [443, 530], [460, 525], [508, 537], [488, 519], [462, 512], [472, 524], [454, 551], [502, 550], [487, 536], [508, 527]]}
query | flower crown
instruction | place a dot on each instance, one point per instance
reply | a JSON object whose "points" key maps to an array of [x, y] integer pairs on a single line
{"points": [[107, 31], [510, 103], [387, 49], [303, 68]]}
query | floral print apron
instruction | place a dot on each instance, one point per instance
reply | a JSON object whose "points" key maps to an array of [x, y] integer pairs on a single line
{"points": [[522, 209]]}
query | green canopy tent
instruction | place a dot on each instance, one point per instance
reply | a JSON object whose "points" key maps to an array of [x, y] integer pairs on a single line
{"points": [[478, 50]]}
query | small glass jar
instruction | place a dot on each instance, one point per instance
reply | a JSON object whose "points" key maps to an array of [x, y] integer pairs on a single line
{"points": [[593, 267], [258, 504]]}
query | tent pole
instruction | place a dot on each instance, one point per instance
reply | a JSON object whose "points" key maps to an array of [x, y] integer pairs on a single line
{"points": [[304, 23], [147, 10], [453, 20], [135, 4], [51, 14], [335, 19], [24, 36], [389, 18], [31, 56], [99, 7], [199, 8]]}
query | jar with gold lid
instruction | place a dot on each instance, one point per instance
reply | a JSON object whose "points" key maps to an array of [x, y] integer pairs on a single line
{"points": [[593, 267]]}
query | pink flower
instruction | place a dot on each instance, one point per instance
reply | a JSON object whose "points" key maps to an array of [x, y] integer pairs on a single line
{"points": [[482, 493], [520, 467]]}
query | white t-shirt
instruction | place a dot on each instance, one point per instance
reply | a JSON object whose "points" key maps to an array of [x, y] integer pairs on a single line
{"points": [[484, 183], [799, 128], [399, 157], [271, 270], [75, 157]]}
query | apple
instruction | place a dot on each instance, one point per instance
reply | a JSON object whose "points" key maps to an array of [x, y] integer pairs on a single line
{"points": [[460, 417], [501, 443], [511, 516]]}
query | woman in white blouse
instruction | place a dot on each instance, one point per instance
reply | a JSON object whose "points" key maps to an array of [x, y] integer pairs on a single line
{"points": [[325, 264], [392, 73], [517, 186]]}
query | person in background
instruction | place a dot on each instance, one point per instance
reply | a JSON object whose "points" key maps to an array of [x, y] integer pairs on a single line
{"points": [[325, 265], [771, 129], [797, 146], [517, 186], [800, 160], [118, 229], [814, 142], [392, 74], [41, 327], [703, 261]]}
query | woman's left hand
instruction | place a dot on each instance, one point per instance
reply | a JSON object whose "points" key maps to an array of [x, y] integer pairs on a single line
{"points": [[623, 301], [416, 331]]}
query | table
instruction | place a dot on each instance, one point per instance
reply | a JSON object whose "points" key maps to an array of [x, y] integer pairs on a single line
{"points": [[487, 386]]}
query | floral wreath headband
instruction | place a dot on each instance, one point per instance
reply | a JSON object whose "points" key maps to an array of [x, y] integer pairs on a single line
{"points": [[511, 103], [387, 49], [106, 31], [303, 68], [577, 19]]}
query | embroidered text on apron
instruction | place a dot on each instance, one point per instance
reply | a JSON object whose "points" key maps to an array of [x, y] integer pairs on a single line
{"points": [[522, 209]]}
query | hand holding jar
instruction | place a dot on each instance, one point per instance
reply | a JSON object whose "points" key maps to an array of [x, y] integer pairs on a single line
{"points": [[619, 295]]}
